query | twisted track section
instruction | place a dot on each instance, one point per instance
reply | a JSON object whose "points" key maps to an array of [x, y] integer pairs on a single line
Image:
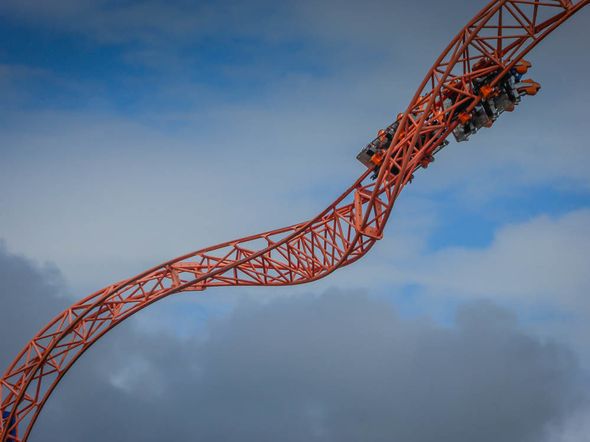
{"points": [[501, 34]]}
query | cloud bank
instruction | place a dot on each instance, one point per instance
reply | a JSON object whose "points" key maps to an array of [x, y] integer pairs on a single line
{"points": [[339, 366]]}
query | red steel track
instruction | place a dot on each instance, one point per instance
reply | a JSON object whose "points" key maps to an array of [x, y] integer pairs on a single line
{"points": [[500, 35]]}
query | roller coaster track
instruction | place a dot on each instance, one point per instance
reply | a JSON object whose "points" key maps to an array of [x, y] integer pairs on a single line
{"points": [[502, 33]]}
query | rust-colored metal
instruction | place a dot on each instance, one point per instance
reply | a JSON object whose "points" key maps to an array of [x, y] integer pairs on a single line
{"points": [[499, 36]]}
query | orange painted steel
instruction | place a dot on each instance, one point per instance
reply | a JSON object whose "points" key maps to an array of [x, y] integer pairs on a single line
{"points": [[491, 44]]}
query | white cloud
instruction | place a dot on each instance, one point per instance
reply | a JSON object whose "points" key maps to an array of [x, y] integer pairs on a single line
{"points": [[104, 195], [540, 261], [544, 259]]}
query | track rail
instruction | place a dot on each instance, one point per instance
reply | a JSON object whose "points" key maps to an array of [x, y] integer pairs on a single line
{"points": [[502, 33]]}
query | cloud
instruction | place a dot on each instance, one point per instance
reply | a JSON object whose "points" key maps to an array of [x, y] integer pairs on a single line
{"points": [[106, 20], [105, 193], [339, 366], [539, 260], [330, 20], [29, 295], [219, 164], [575, 429], [228, 170], [536, 266]]}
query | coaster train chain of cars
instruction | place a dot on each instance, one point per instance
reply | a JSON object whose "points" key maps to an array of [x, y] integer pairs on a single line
{"points": [[479, 76]]}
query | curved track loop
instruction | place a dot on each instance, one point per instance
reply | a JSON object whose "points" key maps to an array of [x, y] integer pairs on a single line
{"points": [[503, 32]]}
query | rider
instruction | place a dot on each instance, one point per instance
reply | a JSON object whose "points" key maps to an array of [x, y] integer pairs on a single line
{"points": [[384, 139]]}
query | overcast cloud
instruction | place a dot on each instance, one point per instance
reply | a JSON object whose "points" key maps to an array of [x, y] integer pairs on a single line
{"points": [[132, 132], [338, 366]]}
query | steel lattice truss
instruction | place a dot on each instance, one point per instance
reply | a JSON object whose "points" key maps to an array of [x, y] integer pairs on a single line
{"points": [[501, 34]]}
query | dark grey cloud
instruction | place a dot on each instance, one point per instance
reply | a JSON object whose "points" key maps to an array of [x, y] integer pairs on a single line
{"points": [[29, 295], [341, 366]]}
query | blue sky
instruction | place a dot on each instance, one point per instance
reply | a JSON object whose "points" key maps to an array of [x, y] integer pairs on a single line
{"points": [[132, 132]]}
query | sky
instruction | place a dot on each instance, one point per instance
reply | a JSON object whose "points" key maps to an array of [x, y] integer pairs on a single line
{"points": [[133, 132]]}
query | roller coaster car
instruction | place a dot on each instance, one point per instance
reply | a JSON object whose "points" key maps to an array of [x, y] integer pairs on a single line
{"points": [[471, 122], [373, 153], [495, 100]]}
